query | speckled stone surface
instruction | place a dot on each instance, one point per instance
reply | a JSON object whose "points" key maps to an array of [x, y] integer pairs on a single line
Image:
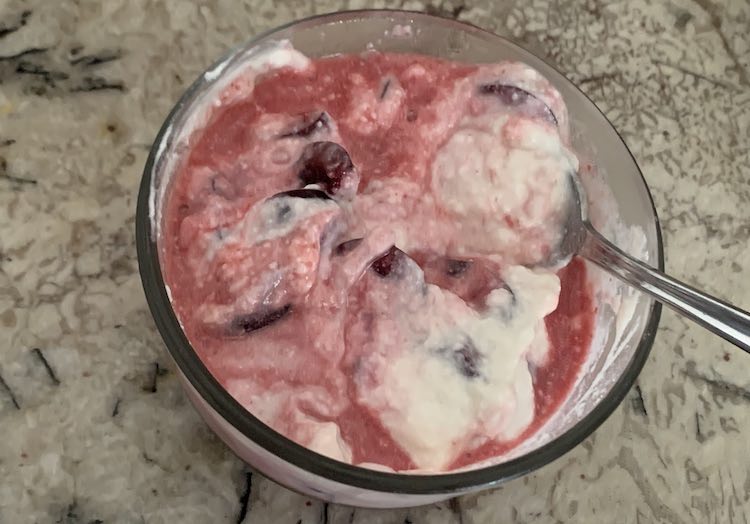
{"points": [[94, 426]]}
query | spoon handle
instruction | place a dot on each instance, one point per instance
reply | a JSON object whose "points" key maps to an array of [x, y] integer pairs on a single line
{"points": [[727, 321]]}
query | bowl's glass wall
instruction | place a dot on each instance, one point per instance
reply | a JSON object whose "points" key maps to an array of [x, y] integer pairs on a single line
{"points": [[625, 211]]}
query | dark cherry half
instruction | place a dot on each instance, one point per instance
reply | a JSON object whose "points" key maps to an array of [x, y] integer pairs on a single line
{"points": [[456, 268], [308, 125], [384, 90], [325, 164], [303, 193], [465, 357], [347, 247], [389, 262], [246, 324], [513, 96]]}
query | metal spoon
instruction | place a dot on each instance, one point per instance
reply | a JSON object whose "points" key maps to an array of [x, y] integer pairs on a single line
{"points": [[580, 237]]}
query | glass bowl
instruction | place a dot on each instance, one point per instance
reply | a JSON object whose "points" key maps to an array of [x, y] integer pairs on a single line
{"points": [[622, 208]]}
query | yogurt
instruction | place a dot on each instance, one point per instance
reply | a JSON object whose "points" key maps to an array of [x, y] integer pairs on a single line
{"points": [[354, 247]]}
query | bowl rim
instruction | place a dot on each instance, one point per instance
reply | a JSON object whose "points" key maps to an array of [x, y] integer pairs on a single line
{"points": [[277, 444]]}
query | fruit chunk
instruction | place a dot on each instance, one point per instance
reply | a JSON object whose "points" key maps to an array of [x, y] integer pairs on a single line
{"points": [[246, 324], [348, 246], [303, 193], [389, 262], [467, 359], [456, 268], [309, 124], [516, 97], [326, 164]]}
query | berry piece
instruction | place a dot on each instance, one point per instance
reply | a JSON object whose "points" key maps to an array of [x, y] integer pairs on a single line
{"points": [[456, 268], [347, 247], [389, 262], [309, 124], [326, 164], [303, 193], [246, 324], [467, 359], [516, 97]]}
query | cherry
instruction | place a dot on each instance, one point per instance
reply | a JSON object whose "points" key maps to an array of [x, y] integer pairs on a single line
{"points": [[389, 262], [284, 210], [347, 247], [309, 124], [516, 97], [246, 324], [221, 186], [325, 164], [283, 213], [456, 268], [465, 357], [384, 91], [303, 193]]}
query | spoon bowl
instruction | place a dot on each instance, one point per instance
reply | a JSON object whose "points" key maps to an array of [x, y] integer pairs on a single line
{"points": [[580, 237]]}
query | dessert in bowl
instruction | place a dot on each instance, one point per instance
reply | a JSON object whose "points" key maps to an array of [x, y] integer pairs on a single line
{"points": [[344, 229]]}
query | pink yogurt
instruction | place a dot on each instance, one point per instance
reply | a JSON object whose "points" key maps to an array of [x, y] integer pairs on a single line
{"points": [[347, 243]]}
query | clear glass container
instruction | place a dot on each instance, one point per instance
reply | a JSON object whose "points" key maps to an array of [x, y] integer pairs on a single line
{"points": [[622, 208]]}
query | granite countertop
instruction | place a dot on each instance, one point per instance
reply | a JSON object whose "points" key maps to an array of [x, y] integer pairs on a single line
{"points": [[95, 427]]}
